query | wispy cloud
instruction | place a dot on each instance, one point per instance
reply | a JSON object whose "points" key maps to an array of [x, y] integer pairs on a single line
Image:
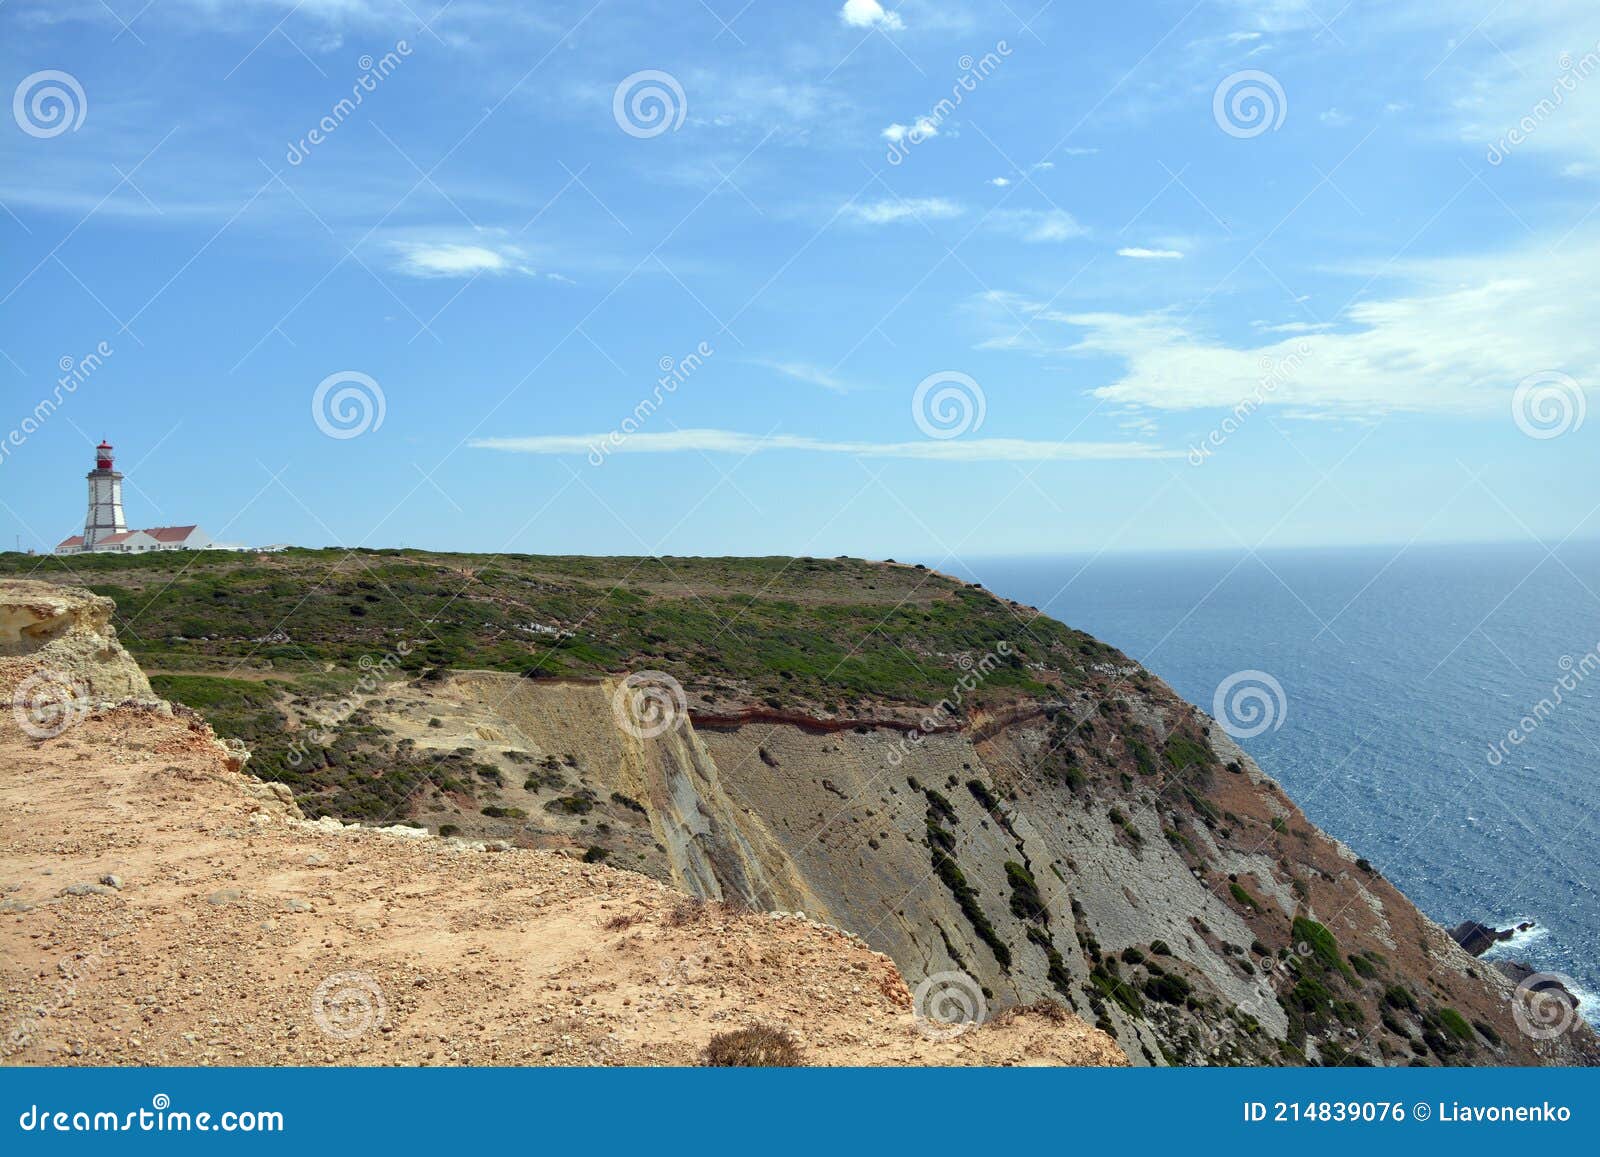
{"points": [[734, 442], [809, 374], [1459, 341], [450, 259], [1140, 254], [1040, 225], [891, 211], [869, 14]]}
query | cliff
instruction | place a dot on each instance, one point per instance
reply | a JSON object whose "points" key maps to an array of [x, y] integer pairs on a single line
{"points": [[158, 906], [964, 784]]}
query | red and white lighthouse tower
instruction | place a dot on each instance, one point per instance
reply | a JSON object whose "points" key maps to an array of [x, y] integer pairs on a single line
{"points": [[105, 499]]}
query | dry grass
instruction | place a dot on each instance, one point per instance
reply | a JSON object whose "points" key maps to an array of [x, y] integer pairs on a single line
{"points": [[1051, 1010], [757, 1047]]}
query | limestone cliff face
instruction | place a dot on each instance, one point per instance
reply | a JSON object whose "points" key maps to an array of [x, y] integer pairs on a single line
{"points": [[161, 908], [1095, 841], [66, 635], [1065, 850]]}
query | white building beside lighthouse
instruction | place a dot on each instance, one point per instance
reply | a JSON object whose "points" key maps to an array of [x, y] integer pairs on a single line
{"points": [[105, 529]]}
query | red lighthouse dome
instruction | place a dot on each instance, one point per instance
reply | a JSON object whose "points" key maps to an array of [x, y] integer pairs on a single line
{"points": [[102, 456]]}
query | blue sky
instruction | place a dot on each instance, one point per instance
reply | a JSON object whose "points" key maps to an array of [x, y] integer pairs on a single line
{"points": [[1094, 303]]}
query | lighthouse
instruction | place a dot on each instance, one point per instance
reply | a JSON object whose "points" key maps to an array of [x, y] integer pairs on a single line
{"points": [[105, 500], [105, 531]]}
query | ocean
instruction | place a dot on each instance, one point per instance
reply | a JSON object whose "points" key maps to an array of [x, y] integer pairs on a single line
{"points": [[1440, 706]]}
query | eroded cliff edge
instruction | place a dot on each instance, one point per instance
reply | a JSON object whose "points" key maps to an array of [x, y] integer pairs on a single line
{"points": [[1065, 827], [159, 906]]}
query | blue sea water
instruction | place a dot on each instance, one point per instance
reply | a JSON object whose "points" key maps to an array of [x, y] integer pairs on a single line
{"points": [[1399, 671]]}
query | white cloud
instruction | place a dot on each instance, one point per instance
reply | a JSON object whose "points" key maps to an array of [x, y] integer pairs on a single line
{"points": [[1000, 182], [1149, 254], [908, 209], [454, 259], [919, 130], [1459, 341], [1037, 225], [734, 442], [1334, 118], [1293, 326], [869, 14]]}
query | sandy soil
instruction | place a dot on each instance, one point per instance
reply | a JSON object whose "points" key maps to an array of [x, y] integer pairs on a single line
{"points": [[159, 907]]}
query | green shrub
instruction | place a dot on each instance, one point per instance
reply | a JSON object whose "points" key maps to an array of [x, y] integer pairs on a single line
{"points": [[1242, 896]]}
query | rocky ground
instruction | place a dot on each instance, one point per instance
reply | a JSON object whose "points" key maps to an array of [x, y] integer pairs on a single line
{"points": [[159, 907]]}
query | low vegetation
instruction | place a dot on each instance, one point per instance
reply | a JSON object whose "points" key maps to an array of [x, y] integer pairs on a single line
{"points": [[757, 1047]]}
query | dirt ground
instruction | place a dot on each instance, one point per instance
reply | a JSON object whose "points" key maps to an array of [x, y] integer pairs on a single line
{"points": [[159, 907]]}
